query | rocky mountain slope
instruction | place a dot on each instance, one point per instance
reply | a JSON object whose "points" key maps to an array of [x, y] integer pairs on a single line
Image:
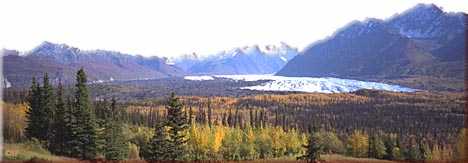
{"points": [[423, 47], [61, 61]]}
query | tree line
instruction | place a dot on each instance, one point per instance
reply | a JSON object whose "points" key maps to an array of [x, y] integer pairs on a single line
{"points": [[73, 128]]}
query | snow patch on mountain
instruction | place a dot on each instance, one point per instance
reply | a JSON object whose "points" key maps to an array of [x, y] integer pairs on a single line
{"points": [[306, 84], [6, 83], [253, 59]]}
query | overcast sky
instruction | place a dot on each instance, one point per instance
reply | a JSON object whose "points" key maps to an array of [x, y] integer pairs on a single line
{"points": [[174, 27]]}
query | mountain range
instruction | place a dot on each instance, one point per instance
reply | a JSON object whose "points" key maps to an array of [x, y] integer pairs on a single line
{"points": [[61, 62], [254, 59], [423, 47]]}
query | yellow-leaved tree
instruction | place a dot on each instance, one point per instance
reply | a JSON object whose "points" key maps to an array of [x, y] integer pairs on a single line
{"points": [[199, 142], [14, 121], [217, 135], [278, 141], [247, 149], [357, 145], [461, 151]]}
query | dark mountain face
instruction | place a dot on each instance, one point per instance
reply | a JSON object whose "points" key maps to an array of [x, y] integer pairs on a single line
{"points": [[62, 61], [428, 22], [423, 41]]}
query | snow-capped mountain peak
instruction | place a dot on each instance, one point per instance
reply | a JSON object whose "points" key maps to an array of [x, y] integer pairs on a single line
{"points": [[47, 48], [255, 49], [253, 59], [189, 56], [426, 21], [280, 49]]}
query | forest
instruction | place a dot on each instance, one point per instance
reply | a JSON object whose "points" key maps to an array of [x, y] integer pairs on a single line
{"points": [[72, 122]]}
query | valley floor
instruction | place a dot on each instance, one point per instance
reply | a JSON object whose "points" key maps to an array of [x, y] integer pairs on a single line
{"points": [[26, 151]]}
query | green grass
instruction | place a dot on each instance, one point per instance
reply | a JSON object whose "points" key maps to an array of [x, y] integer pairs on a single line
{"points": [[28, 151]]}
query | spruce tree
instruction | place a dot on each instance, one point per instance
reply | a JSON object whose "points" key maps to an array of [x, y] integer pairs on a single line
{"points": [[159, 144], [71, 140], [313, 149], [177, 123], [60, 131], [84, 125], [102, 123], [115, 147], [113, 110], [389, 145], [35, 115], [48, 106], [41, 110]]}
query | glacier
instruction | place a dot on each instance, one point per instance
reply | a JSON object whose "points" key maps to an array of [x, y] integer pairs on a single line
{"points": [[199, 78], [306, 84]]}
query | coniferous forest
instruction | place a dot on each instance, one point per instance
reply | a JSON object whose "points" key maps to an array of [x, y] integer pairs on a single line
{"points": [[68, 123]]}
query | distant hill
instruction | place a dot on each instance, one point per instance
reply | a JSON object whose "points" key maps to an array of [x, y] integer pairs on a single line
{"points": [[62, 61], [246, 60], [423, 47]]}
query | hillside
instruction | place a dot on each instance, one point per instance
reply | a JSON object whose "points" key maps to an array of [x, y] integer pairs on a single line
{"points": [[61, 61], [421, 48]]}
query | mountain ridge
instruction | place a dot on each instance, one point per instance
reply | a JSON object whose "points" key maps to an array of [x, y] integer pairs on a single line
{"points": [[401, 47], [253, 59], [60, 61]]}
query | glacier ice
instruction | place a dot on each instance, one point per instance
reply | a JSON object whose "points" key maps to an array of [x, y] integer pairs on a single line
{"points": [[306, 84]]}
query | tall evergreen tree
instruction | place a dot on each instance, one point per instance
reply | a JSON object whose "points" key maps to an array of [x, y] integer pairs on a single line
{"points": [[48, 105], [41, 110], [70, 124], [35, 115], [177, 123], [157, 149], [313, 149], [60, 130], [190, 115], [102, 123], [84, 139], [115, 147], [115, 114]]}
